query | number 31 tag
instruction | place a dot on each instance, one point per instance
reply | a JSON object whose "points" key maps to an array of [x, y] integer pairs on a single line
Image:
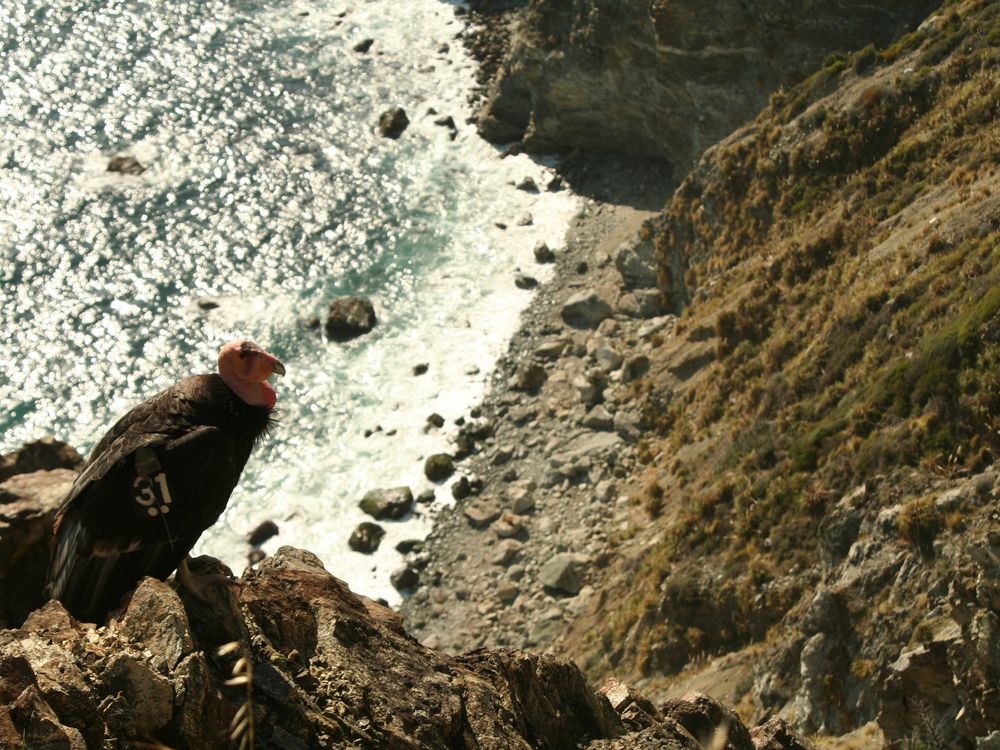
{"points": [[152, 493]]}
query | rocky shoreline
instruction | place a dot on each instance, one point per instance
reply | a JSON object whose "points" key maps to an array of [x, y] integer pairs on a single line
{"points": [[548, 455]]}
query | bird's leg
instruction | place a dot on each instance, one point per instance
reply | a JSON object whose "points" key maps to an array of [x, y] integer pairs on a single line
{"points": [[199, 584]]}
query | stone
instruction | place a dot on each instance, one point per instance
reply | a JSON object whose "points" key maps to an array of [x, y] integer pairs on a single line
{"points": [[392, 123], [125, 164], [349, 317], [522, 281], [439, 467], [264, 531], [420, 369], [149, 696], [39, 455], [427, 496], [461, 488], [564, 573], [550, 350], [606, 357], [543, 253], [586, 389], [482, 513], [523, 501], [776, 734], [636, 262], [627, 425], [703, 716], [525, 220], [528, 185], [366, 537], [406, 577], [363, 46], [28, 506], [155, 617], [502, 455], [391, 503], [585, 310], [530, 376], [635, 367], [406, 546], [435, 420], [508, 525], [507, 552], [506, 592], [598, 418]]}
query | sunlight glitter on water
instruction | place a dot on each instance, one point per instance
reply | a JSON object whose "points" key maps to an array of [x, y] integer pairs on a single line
{"points": [[267, 190]]}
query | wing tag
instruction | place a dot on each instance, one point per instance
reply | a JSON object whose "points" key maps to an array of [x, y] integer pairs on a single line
{"points": [[152, 494]]}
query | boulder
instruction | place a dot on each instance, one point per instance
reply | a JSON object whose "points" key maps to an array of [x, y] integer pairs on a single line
{"points": [[776, 734], [598, 418], [392, 123], [482, 513], [28, 505], [543, 253], [363, 46], [564, 573], [264, 531], [366, 537], [636, 262], [391, 503], [530, 376], [635, 367], [406, 577], [439, 467], [585, 310], [522, 281], [125, 164], [39, 455], [349, 317], [705, 717]]}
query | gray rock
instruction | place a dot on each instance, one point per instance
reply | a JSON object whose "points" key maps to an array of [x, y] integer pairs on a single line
{"points": [[506, 592], [523, 501], [39, 455], [349, 317], [392, 123], [543, 253], [482, 513], [406, 577], [507, 552], [598, 418], [387, 503], [125, 164], [528, 185], [522, 281], [439, 467], [636, 262], [550, 350], [585, 310], [366, 537], [563, 572], [530, 376], [263, 531], [627, 425], [635, 367]]}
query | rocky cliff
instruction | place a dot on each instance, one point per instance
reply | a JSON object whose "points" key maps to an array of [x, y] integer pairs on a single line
{"points": [[665, 79]]}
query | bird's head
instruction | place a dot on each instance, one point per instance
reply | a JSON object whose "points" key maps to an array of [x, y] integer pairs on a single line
{"points": [[245, 368]]}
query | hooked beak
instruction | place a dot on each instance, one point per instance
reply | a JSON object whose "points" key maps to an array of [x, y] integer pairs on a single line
{"points": [[277, 368]]}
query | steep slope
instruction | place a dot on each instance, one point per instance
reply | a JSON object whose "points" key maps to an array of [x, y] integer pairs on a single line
{"points": [[665, 79], [819, 478]]}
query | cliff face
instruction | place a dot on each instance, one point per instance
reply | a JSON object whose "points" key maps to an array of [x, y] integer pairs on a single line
{"points": [[665, 78]]}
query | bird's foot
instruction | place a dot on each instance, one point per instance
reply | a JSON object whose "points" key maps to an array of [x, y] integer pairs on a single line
{"points": [[200, 584]]}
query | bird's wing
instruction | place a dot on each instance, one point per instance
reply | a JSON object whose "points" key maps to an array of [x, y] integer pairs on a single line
{"points": [[137, 509]]}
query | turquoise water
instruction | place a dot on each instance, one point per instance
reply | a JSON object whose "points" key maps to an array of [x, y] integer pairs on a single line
{"points": [[267, 191]]}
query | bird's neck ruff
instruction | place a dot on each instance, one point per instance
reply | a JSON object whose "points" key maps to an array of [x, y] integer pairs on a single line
{"points": [[251, 392]]}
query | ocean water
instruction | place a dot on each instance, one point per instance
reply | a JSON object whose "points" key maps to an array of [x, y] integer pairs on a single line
{"points": [[267, 191]]}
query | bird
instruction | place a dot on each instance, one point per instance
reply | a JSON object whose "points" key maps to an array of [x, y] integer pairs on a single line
{"points": [[159, 477]]}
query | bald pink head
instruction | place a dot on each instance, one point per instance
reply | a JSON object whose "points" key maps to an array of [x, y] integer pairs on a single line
{"points": [[245, 368]]}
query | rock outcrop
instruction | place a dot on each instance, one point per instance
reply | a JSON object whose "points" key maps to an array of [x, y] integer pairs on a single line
{"points": [[665, 79], [307, 663]]}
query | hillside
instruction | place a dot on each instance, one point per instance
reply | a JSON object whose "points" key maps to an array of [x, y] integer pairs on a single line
{"points": [[820, 483]]}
